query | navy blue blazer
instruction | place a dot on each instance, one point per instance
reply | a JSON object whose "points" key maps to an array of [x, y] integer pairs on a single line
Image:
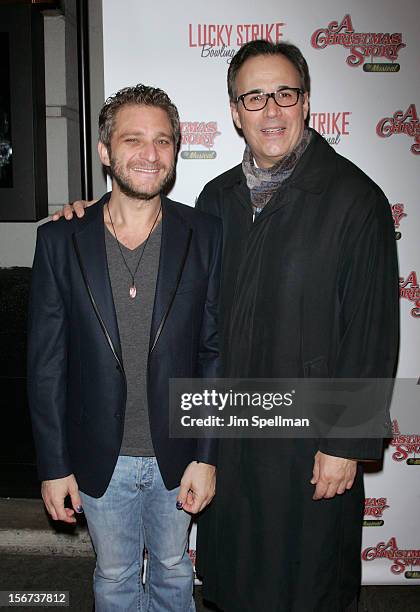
{"points": [[76, 380]]}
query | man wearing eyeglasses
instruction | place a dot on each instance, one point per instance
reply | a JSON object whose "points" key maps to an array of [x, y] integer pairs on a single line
{"points": [[309, 290]]}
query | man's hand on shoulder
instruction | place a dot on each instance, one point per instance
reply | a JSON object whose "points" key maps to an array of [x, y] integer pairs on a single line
{"points": [[54, 493], [68, 210], [198, 486], [332, 475]]}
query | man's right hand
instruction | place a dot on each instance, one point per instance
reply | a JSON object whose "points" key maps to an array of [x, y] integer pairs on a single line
{"points": [[54, 493], [77, 207]]}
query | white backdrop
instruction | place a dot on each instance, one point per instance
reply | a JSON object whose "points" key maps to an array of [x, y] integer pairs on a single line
{"points": [[368, 112]]}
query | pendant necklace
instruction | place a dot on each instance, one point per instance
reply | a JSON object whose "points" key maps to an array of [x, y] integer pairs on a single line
{"points": [[133, 289]]}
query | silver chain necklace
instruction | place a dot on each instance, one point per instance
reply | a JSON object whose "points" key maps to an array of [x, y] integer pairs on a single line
{"points": [[133, 289]]}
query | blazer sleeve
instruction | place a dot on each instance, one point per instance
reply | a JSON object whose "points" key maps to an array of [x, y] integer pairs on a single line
{"points": [[47, 365], [209, 357], [369, 313]]}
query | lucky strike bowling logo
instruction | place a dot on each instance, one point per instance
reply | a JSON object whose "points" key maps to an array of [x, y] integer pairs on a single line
{"points": [[405, 445], [398, 213], [402, 122], [410, 290], [198, 139], [374, 509], [401, 558], [361, 45], [331, 126], [221, 40]]}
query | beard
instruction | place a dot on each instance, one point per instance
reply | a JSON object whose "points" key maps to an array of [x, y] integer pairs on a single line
{"points": [[131, 190]]}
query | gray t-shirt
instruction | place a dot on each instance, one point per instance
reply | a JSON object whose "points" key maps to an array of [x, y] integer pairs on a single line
{"points": [[134, 317]]}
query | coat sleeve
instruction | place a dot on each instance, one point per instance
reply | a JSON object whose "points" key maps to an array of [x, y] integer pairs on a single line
{"points": [[208, 356], [368, 311], [47, 366]]}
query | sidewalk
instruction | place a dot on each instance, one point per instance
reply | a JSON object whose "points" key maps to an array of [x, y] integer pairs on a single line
{"points": [[39, 554], [26, 528]]}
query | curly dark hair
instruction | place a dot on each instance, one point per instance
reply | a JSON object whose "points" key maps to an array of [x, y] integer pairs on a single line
{"points": [[140, 94]]}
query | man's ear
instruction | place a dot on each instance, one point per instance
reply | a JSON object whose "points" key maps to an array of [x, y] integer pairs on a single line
{"points": [[235, 115], [305, 105], [103, 154]]}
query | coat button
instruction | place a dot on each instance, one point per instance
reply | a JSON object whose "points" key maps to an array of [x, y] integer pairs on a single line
{"points": [[117, 415], [117, 367]]}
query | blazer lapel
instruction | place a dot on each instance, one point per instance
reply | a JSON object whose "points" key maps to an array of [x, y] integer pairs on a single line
{"points": [[175, 244], [89, 244]]}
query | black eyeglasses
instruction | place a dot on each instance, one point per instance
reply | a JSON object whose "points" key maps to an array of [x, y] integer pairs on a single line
{"points": [[257, 100]]}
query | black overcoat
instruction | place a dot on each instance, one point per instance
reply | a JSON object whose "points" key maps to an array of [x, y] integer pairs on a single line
{"points": [[310, 289]]}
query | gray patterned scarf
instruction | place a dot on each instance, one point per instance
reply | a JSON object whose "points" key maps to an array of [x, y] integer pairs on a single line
{"points": [[263, 182]]}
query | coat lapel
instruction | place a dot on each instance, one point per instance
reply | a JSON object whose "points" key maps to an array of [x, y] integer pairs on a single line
{"points": [[176, 240], [242, 193], [309, 176], [89, 243]]}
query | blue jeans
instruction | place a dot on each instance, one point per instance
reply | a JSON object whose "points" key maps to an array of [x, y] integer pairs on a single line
{"points": [[137, 511]]}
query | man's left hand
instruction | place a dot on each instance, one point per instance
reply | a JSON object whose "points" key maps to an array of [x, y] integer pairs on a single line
{"points": [[198, 486], [332, 475]]}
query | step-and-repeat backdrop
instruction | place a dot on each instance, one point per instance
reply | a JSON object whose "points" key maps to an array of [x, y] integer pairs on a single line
{"points": [[364, 60]]}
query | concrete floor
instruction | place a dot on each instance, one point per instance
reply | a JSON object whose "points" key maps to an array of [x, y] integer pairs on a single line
{"points": [[37, 554], [56, 573]]}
